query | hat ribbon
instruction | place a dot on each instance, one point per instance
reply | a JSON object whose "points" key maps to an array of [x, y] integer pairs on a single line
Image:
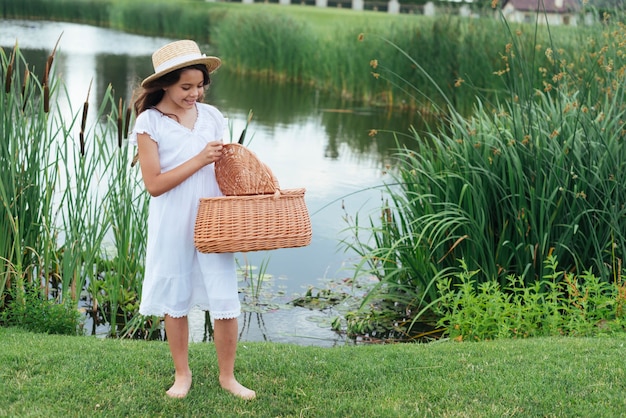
{"points": [[176, 61]]}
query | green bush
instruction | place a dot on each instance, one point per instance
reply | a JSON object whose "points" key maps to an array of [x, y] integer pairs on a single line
{"points": [[559, 304], [34, 312]]}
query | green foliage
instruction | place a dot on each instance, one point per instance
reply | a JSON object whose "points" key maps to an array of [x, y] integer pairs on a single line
{"points": [[535, 176], [559, 304], [55, 217], [26, 156], [171, 19], [33, 311], [95, 12], [535, 171], [274, 45], [318, 46]]}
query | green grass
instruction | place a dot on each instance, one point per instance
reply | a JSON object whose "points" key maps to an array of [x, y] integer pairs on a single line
{"points": [[318, 46], [45, 375]]}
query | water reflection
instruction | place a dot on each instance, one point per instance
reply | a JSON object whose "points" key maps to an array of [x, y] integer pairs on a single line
{"points": [[308, 138], [339, 121]]}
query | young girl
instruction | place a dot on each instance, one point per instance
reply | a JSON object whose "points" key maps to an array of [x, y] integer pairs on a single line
{"points": [[178, 139]]}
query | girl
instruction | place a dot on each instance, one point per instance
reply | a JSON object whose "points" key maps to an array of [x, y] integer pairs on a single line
{"points": [[178, 139]]}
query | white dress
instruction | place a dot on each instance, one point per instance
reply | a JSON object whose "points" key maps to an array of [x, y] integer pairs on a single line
{"points": [[177, 276]]}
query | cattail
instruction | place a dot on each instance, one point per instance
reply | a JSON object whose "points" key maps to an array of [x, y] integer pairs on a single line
{"points": [[46, 98], [46, 72], [50, 60], [25, 82], [243, 133], [46, 77], [135, 159], [83, 122], [9, 75], [81, 137], [120, 127], [46, 88], [127, 121], [24, 91]]}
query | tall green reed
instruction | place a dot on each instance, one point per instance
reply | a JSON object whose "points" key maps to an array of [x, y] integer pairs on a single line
{"points": [[520, 180], [72, 206], [293, 43], [172, 19], [87, 11], [272, 45], [83, 222], [118, 286], [25, 173]]}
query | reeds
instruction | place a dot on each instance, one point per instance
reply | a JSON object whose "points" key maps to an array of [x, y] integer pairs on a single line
{"points": [[292, 45], [95, 12], [22, 170], [73, 210], [536, 176]]}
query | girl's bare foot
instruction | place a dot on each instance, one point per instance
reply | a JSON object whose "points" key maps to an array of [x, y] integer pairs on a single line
{"points": [[181, 386], [237, 389]]}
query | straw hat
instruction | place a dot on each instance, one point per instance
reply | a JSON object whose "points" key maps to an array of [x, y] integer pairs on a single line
{"points": [[177, 55]]}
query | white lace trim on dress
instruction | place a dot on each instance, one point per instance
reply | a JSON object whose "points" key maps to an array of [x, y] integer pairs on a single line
{"points": [[161, 312]]}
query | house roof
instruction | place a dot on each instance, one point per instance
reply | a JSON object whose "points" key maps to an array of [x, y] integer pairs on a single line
{"points": [[549, 6]]}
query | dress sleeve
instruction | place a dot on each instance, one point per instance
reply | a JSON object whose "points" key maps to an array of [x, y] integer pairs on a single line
{"points": [[145, 123]]}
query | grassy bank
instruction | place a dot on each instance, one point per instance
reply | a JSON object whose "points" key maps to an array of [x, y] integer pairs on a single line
{"points": [[319, 47], [56, 376]]}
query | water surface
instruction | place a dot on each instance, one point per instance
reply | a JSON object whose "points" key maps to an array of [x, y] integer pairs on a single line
{"points": [[308, 138]]}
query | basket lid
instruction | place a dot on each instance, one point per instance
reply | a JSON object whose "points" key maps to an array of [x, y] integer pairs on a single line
{"points": [[240, 173]]}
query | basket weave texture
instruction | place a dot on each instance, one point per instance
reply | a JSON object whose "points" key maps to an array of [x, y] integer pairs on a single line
{"points": [[240, 173], [255, 214]]}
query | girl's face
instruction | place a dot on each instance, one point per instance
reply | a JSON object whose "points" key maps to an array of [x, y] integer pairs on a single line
{"points": [[187, 91]]}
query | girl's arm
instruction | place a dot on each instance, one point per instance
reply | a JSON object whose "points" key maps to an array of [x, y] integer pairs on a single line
{"points": [[158, 183]]}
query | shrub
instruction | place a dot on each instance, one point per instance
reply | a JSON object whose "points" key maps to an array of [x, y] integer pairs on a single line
{"points": [[34, 312], [559, 304]]}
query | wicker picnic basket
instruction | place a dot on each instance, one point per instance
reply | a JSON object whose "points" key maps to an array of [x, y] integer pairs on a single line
{"points": [[255, 214]]}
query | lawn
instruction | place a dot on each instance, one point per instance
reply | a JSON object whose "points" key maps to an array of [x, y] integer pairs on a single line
{"points": [[54, 376]]}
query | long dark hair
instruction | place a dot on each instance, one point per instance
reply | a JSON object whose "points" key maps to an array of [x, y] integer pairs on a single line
{"points": [[151, 94]]}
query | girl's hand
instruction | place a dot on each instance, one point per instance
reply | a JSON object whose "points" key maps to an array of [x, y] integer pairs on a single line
{"points": [[211, 153]]}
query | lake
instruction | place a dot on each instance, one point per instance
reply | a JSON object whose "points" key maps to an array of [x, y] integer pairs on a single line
{"points": [[308, 138]]}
